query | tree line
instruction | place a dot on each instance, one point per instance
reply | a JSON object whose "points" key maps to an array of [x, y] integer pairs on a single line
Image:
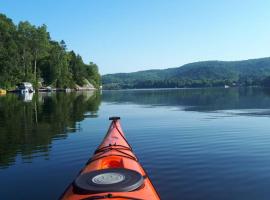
{"points": [[27, 53], [253, 72], [186, 83]]}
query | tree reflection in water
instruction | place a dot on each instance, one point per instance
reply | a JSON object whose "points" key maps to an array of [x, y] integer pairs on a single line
{"points": [[200, 100], [28, 127]]}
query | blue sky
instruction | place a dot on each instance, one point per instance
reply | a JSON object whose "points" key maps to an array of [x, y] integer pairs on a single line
{"points": [[132, 35]]}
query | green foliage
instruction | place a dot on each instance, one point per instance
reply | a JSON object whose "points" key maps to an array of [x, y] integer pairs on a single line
{"points": [[27, 53], [92, 74], [200, 74]]}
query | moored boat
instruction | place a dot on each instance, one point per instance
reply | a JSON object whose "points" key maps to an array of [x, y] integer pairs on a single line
{"points": [[23, 88], [112, 173]]}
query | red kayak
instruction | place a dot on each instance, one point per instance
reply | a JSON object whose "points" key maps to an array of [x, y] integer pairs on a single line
{"points": [[112, 173]]}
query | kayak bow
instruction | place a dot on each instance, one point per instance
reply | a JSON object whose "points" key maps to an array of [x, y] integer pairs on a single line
{"points": [[112, 173]]}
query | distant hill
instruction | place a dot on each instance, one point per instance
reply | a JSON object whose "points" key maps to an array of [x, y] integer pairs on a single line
{"points": [[198, 74]]}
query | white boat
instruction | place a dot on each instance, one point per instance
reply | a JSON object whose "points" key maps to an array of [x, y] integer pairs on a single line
{"points": [[26, 87]]}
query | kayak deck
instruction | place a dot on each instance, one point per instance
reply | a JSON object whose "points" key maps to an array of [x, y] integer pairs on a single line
{"points": [[113, 172]]}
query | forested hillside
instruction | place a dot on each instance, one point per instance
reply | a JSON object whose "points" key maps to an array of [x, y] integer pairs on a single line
{"points": [[199, 74], [27, 53]]}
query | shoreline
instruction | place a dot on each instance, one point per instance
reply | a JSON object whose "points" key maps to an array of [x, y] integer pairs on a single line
{"points": [[46, 90], [65, 89], [182, 88]]}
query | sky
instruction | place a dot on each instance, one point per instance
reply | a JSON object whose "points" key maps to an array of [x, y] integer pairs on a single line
{"points": [[133, 35]]}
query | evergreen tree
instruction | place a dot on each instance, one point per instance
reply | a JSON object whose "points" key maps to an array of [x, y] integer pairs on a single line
{"points": [[27, 53]]}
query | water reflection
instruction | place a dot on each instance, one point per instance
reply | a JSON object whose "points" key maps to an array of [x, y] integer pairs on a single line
{"points": [[26, 97], [28, 125], [216, 99], [193, 155]]}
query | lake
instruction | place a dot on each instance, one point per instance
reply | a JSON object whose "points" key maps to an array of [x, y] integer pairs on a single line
{"points": [[209, 144]]}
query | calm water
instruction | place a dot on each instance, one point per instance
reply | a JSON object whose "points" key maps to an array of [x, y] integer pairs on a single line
{"points": [[195, 144]]}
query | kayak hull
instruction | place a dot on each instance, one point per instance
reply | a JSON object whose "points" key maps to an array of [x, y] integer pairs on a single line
{"points": [[114, 153]]}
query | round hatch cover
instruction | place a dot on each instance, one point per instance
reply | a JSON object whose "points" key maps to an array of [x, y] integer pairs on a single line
{"points": [[108, 180]]}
